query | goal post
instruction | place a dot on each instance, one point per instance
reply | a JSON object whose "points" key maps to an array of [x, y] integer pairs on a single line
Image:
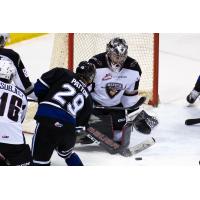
{"points": [[71, 48]]}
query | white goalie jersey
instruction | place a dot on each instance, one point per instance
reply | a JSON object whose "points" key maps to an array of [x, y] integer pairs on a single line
{"points": [[111, 87], [13, 106]]}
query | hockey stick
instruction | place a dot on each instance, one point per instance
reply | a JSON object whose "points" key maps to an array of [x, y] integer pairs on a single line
{"points": [[113, 147], [6, 161], [140, 147], [137, 105], [192, 121]]}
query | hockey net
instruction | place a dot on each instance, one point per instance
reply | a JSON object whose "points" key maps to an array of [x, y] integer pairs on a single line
{"points": [[69, 49]]}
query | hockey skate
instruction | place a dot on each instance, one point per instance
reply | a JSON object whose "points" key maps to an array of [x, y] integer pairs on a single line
{"points": [[191, 98]]}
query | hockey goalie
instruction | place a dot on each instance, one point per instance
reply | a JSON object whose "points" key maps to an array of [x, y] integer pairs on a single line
{"points": [[115, 95]]}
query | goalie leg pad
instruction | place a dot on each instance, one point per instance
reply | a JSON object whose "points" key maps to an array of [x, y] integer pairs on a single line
{"points": [[102, 123], [126, 134]]}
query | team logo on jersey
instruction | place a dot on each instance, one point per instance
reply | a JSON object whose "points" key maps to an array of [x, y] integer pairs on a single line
{"points": [[112, 89], [59, 125], [107, 77]]}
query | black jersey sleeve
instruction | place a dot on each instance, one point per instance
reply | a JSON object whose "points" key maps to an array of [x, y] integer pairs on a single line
{"points": [[21, 79], [132, 64], [99, 60], [48, 79]]}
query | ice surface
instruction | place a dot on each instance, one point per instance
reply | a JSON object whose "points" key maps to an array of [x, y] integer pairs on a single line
{"points": [[176, 144]]}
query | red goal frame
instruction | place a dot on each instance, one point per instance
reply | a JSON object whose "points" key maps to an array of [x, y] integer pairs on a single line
{"points": [[155, 97]]}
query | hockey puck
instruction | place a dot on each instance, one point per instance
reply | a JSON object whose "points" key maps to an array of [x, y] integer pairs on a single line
{"points": [[138, 158]]}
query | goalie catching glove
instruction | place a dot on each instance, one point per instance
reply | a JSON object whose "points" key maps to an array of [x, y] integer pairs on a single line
{"points": [[144, 122]]}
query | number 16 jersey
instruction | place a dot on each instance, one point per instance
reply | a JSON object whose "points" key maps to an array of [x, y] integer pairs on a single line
{"points": [[13, 107]]}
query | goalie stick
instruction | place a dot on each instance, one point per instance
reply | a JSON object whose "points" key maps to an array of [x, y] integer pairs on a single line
{"points": [[113, 147], [140, 147], [137, 105], [192, 121]]}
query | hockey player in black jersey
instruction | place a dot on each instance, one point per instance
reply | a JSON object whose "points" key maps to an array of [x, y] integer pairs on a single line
{"points": [[194, 94], [21, 78], [64, 103], [116, 84]]}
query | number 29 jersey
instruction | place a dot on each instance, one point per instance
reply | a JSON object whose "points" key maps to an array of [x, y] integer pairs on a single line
{"points": [[63, 96], [13, 107]]}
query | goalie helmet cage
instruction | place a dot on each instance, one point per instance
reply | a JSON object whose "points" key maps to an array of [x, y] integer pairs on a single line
{"points": [[71, 48]]}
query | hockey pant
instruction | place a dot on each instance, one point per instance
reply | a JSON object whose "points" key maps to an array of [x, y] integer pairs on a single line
{"points": [[52, 135], [15, 154]]}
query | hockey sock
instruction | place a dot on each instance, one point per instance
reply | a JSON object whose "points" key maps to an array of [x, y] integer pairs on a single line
{"points": [[74, 160]]}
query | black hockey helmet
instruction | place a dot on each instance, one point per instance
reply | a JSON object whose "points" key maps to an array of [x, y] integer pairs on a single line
{"points": [[117, 50], [4, 38], [86, 71]]}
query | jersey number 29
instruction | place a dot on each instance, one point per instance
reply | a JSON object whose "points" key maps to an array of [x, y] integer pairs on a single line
{"points": [[77, 102]]}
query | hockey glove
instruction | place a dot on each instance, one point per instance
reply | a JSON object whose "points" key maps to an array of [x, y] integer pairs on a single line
{"points": [[144, 122]]}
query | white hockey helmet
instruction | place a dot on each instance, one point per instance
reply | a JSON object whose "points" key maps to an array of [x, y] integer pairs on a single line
{"points": [[7, 70], [4, 37], [117, 51]]}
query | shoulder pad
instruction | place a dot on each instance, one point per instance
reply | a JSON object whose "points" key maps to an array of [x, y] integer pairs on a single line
{"points": [[98, 60]]}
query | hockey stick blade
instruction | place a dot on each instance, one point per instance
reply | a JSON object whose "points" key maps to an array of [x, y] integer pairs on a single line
{"points": [[137, 105], [192, 121], [138, 148]]}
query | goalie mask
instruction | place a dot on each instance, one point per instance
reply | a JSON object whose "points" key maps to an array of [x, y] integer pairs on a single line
{"points": [[7, 70], [4, 37], [86, 72], [117, 51]]}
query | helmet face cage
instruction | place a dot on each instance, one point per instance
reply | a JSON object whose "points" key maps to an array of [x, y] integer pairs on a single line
{"points": [[7, 70], [117, 51], [4, 38], [86, 71]]}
